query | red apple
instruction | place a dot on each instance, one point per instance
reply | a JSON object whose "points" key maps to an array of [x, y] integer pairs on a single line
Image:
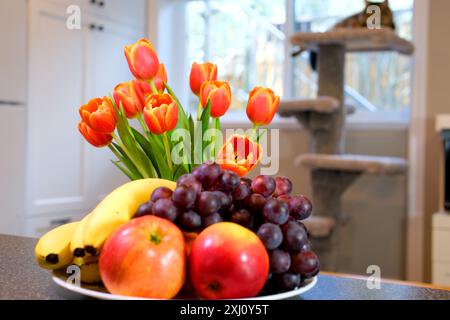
{"points": [[146, 257], [228, 261]]}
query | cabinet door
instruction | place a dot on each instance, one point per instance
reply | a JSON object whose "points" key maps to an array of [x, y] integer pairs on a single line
{"points": [[129, 12], [12, 165], [55, 150], [13, 23], [107, 67]]}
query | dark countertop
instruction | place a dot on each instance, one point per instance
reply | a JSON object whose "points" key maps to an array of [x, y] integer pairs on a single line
{"points": [[21, 278]]}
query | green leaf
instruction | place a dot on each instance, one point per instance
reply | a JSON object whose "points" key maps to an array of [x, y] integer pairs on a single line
{"points": [[122, 156], [155, 155], [125, 171], [179, 171], [205, 122]]}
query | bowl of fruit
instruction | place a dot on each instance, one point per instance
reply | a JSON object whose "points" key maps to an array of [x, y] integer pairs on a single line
{"points": [[209, 235]]}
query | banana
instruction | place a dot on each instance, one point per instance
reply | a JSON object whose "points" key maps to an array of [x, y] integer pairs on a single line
{"points": [[116, 209], [53, 249], [76, 244], [89, 272]]}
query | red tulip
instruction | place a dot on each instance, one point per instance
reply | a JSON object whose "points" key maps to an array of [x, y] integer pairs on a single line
{"points": [[200, 73], [132, 96], [160, 113], [99, 115], [160, 78], [262, 106], [219, 93], [239, 154], [142, 60], [97, 139]]}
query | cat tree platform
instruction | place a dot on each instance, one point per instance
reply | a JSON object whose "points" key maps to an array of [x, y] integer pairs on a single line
{"points": [[354, 40], [354, 163]]}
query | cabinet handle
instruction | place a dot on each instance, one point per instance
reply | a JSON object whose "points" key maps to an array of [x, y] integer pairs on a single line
{"points": [[101, 3], [101, 28], [58, 222], [92, 26], [93, 2]]}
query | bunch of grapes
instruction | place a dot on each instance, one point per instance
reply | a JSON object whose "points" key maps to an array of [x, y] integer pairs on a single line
{"points": [[264, 205]]}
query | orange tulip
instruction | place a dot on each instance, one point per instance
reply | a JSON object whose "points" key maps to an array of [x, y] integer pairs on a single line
{"points": [[219, 93], [132, 96], [99, 115], [97, 139], [239, 154], [200, 73], [160, 113], [262, 106], [142, 60], [160, 78]]}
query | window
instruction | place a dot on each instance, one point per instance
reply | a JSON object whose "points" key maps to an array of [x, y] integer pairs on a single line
{"points": [[248, 40]]}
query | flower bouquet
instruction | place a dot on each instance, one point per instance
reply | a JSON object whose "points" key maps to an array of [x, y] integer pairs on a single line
{"points": [[170, 142]]}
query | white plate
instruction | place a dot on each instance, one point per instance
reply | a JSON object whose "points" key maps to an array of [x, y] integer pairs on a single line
{"points": [[99, 292]]}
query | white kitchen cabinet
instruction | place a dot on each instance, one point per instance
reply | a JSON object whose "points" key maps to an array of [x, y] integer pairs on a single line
{"points": [[13, 53], [66, 176], [12, 164], [130, 13]]}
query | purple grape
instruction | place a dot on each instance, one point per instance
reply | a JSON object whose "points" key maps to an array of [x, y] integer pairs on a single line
{"points": [[207, 203], [190, 220], [144, 209], [270, 235], [161, 193], [306, 263], [300, 207], [212, 219], [241, 192], [264, 185], [190, 180], [184, 197], [287, 281], [225, 200], [247, 181], [242, 217], [276, 211], [208, 174], [283, 186], [228, 181], [165, 208], [255, 203], [280, 261], [294, 236]]}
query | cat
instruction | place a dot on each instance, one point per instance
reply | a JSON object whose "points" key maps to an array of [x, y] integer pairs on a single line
{"points": [[358, 20]]}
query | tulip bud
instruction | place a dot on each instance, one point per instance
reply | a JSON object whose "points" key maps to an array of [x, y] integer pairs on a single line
{"points": [[160, 78], [160, 113], [142, 60], [97, 139], [239, 154], [201, 73], [219, 95], [132, 96], [262, 106], [99, 115]]}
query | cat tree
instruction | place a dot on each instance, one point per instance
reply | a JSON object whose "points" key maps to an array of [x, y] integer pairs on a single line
{"points": [[332, 171]]}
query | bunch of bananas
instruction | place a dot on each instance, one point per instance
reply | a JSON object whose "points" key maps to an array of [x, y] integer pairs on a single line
{"points": [[80, 242]]}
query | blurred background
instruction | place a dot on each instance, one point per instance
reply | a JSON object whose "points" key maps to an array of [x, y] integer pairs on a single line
{"points": [[51, 65]]}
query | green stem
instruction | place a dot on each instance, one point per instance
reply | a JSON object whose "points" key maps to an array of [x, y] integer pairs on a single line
{"points": [[199, 110], [255, 132], [143, 124], [152, 85], [167, 149]]}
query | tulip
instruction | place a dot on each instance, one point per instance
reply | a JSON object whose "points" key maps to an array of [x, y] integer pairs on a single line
{"points": [[262, 106], [132, 96], [97, 139], [200, 73], [142, 60], [219, 95], [99, 115], [160, 113], [160, 78], [239, 154]]}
